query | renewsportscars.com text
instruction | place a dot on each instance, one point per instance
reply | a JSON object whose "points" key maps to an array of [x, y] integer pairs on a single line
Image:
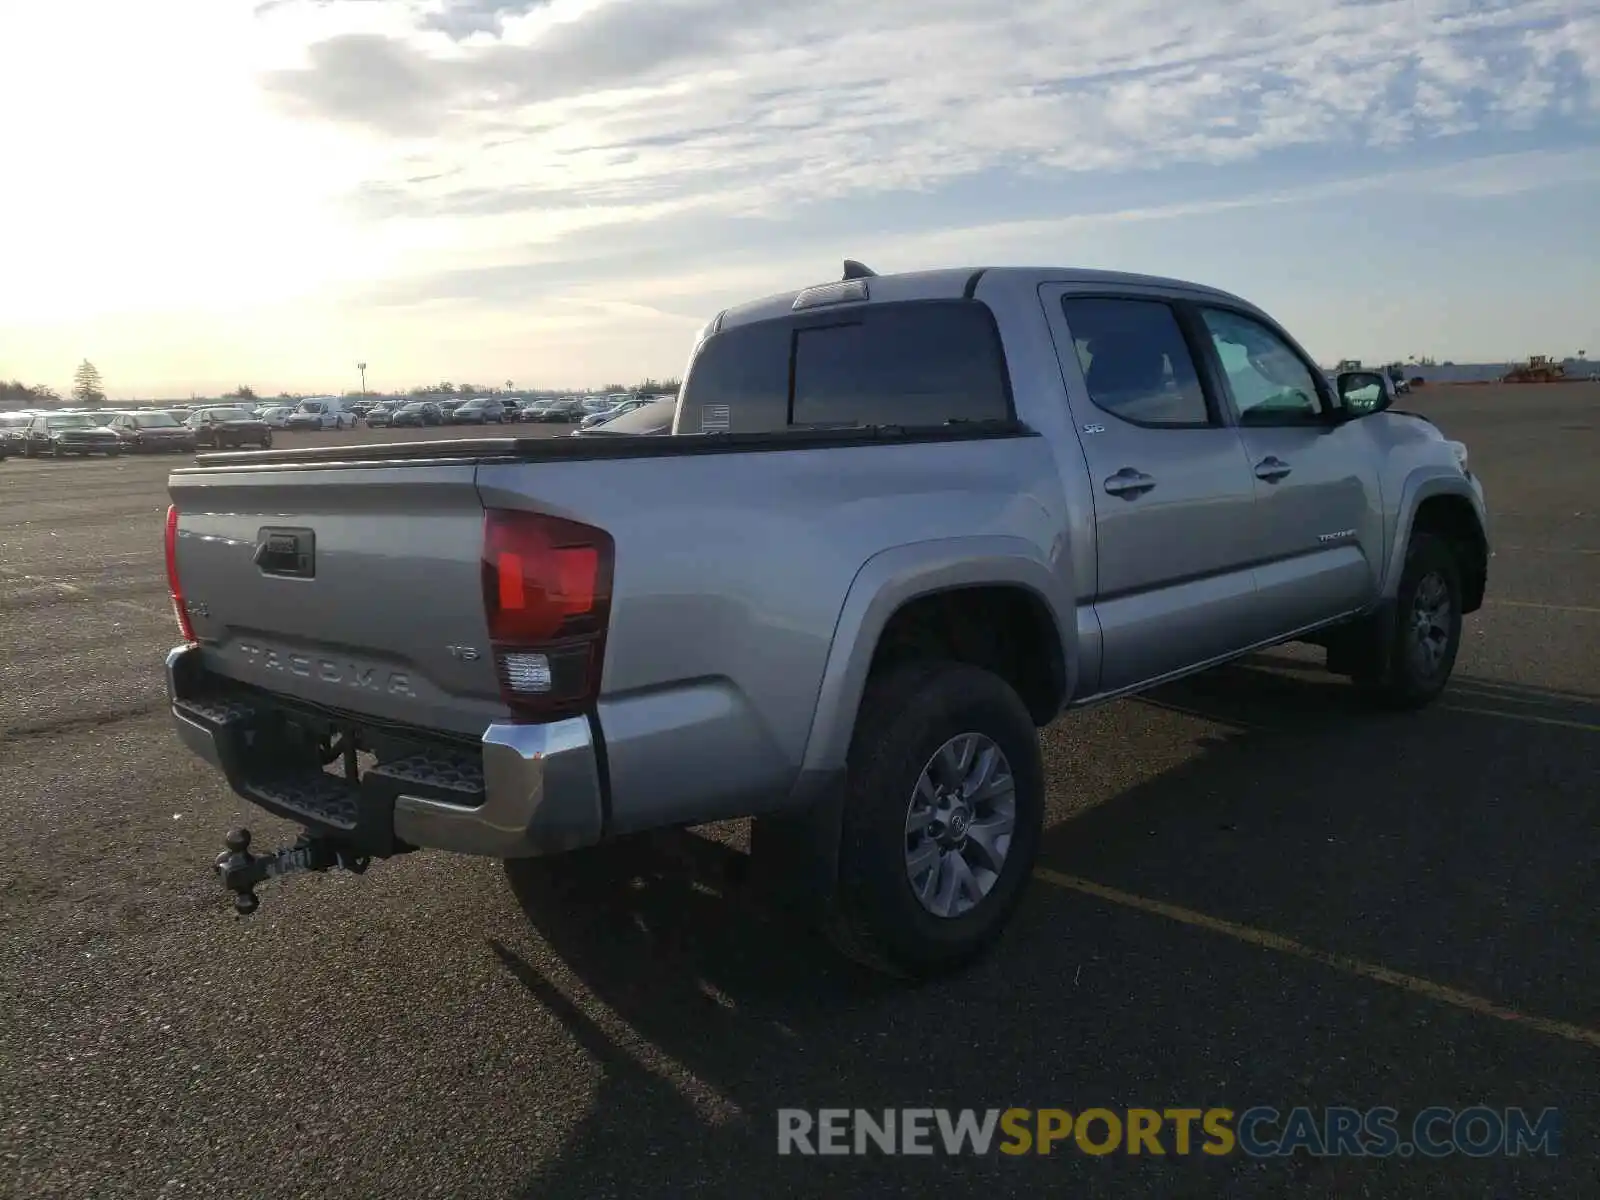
{"points": [[1259, 1132]]}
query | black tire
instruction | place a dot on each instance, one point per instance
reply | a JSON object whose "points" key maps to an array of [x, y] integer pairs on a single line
{"points": [[1405, 680], [907, 714], [57, 452], [266, 441], [114, 452]]}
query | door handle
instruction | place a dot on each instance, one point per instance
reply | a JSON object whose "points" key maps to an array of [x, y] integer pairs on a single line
{"points": [[1271, 469], [1129, 483]]}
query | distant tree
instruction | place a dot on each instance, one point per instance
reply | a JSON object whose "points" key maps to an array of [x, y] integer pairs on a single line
{"points": [[241, 393], [17, 392], [87, 387]]}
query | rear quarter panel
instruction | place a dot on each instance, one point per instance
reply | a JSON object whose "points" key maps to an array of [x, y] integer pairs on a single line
{"points": [[732, 571]]}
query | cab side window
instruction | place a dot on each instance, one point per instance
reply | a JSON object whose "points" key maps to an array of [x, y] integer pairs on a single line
{"points": [[1270, 383], [1135, 361]]}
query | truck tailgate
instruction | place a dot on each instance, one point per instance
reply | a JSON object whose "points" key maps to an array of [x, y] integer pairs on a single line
{"points": [[354, 588]]}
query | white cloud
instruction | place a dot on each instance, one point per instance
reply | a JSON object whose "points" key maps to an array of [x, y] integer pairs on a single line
{"points": [[576, 165], [529, 118]]}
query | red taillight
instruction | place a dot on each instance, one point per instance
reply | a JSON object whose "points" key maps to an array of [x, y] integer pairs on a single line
{"points": [[547, 596], [173, 586]]}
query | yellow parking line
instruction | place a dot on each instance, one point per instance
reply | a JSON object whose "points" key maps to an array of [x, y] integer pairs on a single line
{"points": [[1350, 966], [1578, 608], [1586, 726]]}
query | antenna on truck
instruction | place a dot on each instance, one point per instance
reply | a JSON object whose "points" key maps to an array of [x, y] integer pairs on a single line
{"points": [[856, 270]]}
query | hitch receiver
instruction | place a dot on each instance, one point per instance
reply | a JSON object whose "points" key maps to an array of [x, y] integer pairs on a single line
{"points": [[242, 872]]}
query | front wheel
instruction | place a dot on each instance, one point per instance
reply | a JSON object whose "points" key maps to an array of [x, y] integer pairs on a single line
{"points": [[266, 441], [1426, 633], [943, 815]]}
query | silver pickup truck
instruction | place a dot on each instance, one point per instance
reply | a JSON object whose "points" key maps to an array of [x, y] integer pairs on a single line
{"points": [[900, 523]]}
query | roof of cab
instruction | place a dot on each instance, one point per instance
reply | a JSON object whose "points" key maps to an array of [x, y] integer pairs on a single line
{"points": [[954, 282]]}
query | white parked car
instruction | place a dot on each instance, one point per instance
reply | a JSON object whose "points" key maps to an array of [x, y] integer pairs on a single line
{"points": [[600, 418], [322, 412], [277, 416]]}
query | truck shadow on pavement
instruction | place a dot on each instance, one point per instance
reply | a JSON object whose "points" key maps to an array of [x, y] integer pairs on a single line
{"points": [[1449, 845]]}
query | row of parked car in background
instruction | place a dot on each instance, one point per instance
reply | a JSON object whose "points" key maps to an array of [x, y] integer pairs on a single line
{"points": [[59, 433], [586, 411], [335, 412]]}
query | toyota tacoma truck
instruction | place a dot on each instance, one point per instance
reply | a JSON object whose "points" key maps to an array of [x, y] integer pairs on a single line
{"points": [[901, 523]]}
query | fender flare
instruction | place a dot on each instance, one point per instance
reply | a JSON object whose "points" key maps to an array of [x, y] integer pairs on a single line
{"points": [[1424, 483], [892, 578]]}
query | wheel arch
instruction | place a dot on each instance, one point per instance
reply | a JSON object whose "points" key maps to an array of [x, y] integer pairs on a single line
{"points": [[1449, 507], [910, 590]]}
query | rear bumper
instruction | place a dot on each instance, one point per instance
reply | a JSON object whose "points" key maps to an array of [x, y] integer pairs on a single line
{"points": [[519, 792]]}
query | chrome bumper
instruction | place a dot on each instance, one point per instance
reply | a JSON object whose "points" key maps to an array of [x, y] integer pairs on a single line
{"points": [[539, 793]]}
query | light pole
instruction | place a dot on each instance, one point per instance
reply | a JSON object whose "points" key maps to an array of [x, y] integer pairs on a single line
{"points": [[362, 367]]}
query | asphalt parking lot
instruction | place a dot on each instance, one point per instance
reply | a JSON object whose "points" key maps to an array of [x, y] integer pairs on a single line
{"points": [[1252, 893]]}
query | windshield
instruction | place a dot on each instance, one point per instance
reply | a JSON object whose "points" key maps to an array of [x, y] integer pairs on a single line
{"points": [[14, 420], [230, 414], [311, 406], [414, 407], [71, 421], [154, 421]]}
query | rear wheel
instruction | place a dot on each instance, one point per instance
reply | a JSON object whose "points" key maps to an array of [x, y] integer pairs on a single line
{"points": [[266, 441], [1426, 633], [942, 819]]}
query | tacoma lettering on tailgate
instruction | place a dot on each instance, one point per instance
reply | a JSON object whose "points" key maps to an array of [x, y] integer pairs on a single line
{"points": [[342, 672]]}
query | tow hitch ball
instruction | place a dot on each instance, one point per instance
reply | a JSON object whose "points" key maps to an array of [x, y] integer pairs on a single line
{"points": [[242, 872]]}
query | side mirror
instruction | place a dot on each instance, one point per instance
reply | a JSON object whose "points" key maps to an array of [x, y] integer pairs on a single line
{"points": [[1363, 392]]}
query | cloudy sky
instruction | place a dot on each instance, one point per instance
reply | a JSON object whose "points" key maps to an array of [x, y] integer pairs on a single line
{"points": [[202, 193]]}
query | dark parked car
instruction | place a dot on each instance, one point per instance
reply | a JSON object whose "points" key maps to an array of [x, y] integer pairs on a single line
{"points": [[61, 434], [228, 428], [378, 415], [151, 431], [479, 412], [418, 412], [13, 426], [567, 409]]}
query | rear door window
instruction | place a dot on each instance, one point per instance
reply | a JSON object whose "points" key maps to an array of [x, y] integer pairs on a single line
{"points": [[1135, 361]]}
